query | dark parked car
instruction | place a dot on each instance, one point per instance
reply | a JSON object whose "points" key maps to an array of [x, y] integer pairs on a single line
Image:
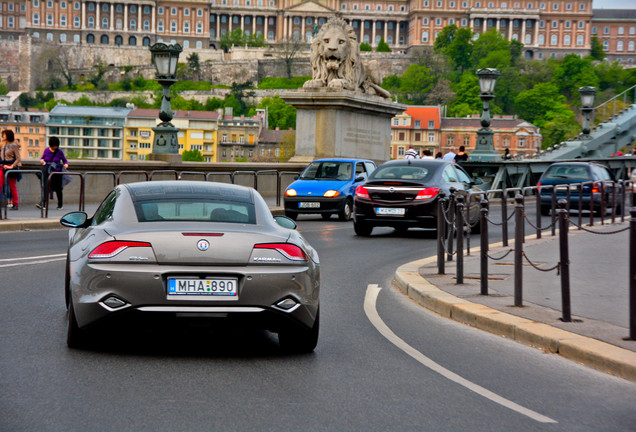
{"points": [[405, 193], [183, 251], [326, 187], [575, 176]]}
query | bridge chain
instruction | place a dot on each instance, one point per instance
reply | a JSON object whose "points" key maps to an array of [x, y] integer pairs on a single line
{"points": [[501, 257], [597, 232], [557, 266], [536, 227]]}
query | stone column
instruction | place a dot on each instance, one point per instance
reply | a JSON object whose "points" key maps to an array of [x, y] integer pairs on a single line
{"points": [[510, 23], [242, 21], [523, 31], [397, 33], [265, 28], [302, 28], [98, 16], [497, 23], [373, 32], [253, 24], [361, 31], [229, 29], [484, 25], [218, 26], [472, 24], [125, 17], [140, 26], [386, 30], [535, 41], [83, 27], [112, 16]]}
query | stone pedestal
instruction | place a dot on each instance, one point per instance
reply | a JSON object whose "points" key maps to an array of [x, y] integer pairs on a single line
{"points": [[171, 158], [341, 123]]}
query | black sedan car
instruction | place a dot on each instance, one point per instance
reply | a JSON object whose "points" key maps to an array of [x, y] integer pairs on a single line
{"points": [[405, 193]]}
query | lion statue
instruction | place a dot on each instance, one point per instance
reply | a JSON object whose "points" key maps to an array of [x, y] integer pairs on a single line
{"points": [[335, 61]]}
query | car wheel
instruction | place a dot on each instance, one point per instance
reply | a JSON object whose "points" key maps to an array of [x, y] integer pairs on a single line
{"points": [[345, 214], [325, 216], [299, 340], [362, 229], [291, 215], [67, 281], [75, 337]]}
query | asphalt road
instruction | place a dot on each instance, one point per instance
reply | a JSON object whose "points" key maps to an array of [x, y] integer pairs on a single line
{"points": [[423, 373]]}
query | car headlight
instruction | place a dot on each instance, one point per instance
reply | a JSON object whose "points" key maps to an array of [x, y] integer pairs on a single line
{"points": [[290, 192], [331, 194]]}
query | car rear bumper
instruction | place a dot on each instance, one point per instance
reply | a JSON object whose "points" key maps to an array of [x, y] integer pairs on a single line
{"points": [[326, 205], [143, 289], [422, 216]]}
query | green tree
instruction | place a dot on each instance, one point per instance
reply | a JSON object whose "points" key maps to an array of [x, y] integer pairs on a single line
{"points": [[416, 82], [212, 104], [192, 156], [597, 53], [3, 87], [382, 46], [365, 47], [460, 50], [574, 72], [487, 43], [532, 104], [467, 99], [445, 38], [279, 114], [558, 126], [194, 65]]}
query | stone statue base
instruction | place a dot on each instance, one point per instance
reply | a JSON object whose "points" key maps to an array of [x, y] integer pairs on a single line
{"points": [[341, 123]]}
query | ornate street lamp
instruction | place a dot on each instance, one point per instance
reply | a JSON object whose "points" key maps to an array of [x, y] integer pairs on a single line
{"points": [[587, 100], [485, 147], [165, 59]]}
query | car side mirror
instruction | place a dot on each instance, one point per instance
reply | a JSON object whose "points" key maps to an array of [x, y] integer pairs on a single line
{"points": [[76, 219], [285, 222], [361, 177]]}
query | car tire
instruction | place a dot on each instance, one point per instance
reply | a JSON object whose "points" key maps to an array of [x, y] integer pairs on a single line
{"points": [[299, 340], [346, 212], [292, 215], [67, 281], [75, 337], [325, 216], [362, 229]]}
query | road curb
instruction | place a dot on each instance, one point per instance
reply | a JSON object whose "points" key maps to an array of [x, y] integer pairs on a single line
{"points": [[591, 352]]}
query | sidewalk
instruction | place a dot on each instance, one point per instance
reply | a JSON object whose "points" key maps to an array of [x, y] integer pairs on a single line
{"points": [[599, 285]]}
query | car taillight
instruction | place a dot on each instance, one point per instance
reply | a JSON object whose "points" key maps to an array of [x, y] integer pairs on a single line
{"points": [[290, 251], [362, 192], [427, 193], [595, 188], [290, 192], [112, 248], [539, 183]]}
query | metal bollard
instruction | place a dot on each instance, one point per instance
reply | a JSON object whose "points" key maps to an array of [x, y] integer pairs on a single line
{"points": [[538, 216], [632, 274], [518, 250], [459, 219], [483, 224], [441, 232], [564, 261], [504, 217], [451, 218]]}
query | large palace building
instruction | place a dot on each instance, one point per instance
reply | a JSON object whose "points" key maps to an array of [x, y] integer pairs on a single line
{"points": [[547, 28]]}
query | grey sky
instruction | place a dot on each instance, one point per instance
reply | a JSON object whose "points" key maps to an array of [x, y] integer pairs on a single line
{"points": [[614, 4]]}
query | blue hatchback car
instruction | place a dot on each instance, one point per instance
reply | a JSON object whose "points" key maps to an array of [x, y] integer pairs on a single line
{"points": [[327, 187]]}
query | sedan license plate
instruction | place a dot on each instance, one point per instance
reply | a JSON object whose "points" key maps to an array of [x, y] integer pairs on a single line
{"points": [[309, 204], [202, 289], [386, 211]]}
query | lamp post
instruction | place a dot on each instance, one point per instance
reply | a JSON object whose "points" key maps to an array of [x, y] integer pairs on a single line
{"points": [[485, 147], [165, 145], [587, 100]]}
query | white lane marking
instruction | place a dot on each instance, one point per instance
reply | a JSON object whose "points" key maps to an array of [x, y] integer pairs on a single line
{"points": [[369, 308], [32, 260]]}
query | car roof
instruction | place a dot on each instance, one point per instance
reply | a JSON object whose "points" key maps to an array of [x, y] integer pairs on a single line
{"points": [[417, 162], [342, 160], [183, 189]]}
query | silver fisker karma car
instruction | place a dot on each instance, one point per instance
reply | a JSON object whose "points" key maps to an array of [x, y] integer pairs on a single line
{"points": [[191, 249]]}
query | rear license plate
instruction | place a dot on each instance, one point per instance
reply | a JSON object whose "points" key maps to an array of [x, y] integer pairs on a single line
{"points": [[202, 289], [385, 211], [309, 205]]}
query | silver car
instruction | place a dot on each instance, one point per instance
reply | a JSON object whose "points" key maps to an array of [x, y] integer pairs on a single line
{"points": [[188, 249]]}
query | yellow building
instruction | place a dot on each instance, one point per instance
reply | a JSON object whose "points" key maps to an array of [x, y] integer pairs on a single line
{"points": [[197, 131]]}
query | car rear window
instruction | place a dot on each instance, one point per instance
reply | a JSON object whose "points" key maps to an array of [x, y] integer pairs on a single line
{"points": [[567, 172], [191, 210], [328, 170], [410, 172]]}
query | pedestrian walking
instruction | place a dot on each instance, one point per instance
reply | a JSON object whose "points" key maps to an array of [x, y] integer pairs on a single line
{"points": [[427, 154], [53, 160], [10, 161], [461, 156], [438, 155], [450, 156], [507, 155], [411, 153]]}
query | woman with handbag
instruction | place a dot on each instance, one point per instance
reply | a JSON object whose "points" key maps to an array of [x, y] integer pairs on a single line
{"points": [[53, 160], [10, 155]]}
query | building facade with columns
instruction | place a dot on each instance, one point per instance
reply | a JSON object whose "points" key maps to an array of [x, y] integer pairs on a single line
{"points": [[616, 30], [547, 28]]}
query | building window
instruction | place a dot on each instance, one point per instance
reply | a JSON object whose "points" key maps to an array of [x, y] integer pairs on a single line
{"points": [[49, 20], [199, 28], [186, 27], [147, 25], [173, 26], [431, 124], [160, 10], [173, 11], [632, 30], [199, 12], [621, 30], [186, 12], [424, 21], [160, 26], [104, 23], [133, 24], [568, 24], [146, 41], [606, 30], [566, 40], [431, 137], [63, 37], [119, 40], [90, 39], [36, 19], [555, 6], [104, 40], [105, 7], [619, 45], [555, 24], [62, 20], [554, 40], [579, 40], [77, 22], [401, 151]]}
